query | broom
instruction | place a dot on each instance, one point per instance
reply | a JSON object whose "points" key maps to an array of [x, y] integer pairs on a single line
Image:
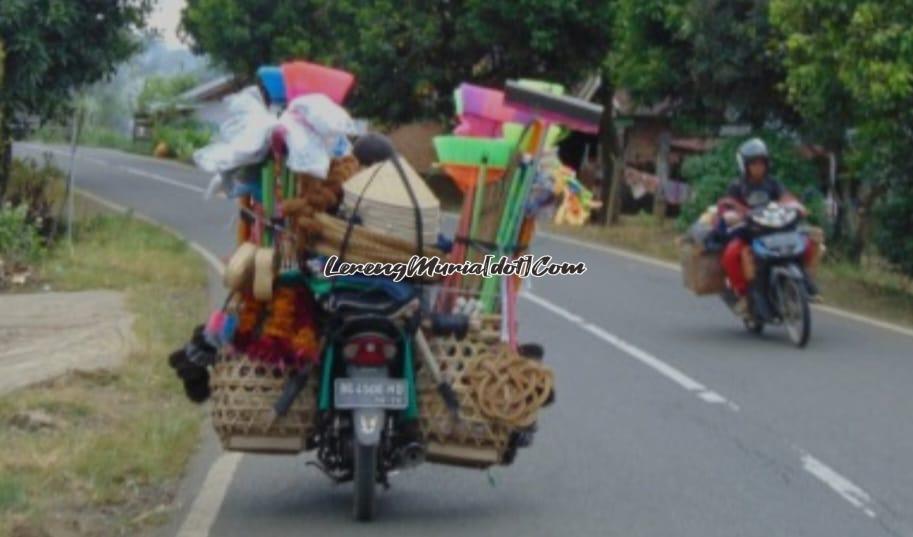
{"points": [[461, 156]]}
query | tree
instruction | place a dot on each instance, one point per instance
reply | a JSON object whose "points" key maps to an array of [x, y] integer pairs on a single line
{"points": [[849, 70], [710, 58], [242, 35], [407, 57], [707, 61], [164, 90], [55, 46]]}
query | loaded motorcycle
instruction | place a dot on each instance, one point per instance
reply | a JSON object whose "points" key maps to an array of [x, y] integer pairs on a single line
{"points": [[367, 396], [777, 242], [367, 426]]}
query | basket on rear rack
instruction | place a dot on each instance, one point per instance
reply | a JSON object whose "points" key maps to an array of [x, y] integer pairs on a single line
{"points": [[473, 439], [243, 394], [702, 272]]}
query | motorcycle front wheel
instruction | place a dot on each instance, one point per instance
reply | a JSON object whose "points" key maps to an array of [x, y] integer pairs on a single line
{"points": [[795, 311], [364, 480]]}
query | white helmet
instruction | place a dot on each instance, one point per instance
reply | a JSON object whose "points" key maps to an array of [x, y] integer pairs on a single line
{"points": [[752, 149]]}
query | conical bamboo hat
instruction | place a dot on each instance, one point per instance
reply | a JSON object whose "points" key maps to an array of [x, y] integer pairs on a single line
{"points": [[385, 204], [387, 187]]}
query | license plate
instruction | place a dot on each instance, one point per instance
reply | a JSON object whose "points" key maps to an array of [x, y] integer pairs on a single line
{"points": [[371, 393]]}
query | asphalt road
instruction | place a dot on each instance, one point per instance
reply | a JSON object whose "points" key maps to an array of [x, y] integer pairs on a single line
{"points": [[670, 419]]}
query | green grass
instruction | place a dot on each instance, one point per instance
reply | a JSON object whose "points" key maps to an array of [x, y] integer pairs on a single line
{"points": [[12, 493], [123, 436]]}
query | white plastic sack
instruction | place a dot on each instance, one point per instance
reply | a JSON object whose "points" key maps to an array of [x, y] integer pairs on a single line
{"points": [[244, 136], [316, 130], [306, 151], [322, 115]]}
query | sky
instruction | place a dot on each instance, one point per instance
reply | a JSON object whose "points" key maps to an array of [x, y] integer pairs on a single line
{"points": [[165, 18]]}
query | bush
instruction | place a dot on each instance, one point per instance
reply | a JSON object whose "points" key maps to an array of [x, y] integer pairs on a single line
{"points": [[183, 138], [39, 188], [20, 243], [892, 235], [709, 175]]}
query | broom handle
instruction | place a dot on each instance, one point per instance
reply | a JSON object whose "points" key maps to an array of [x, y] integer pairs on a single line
{"points": [[538, 140], [490, 285], [268, 194], [479, 195], [473, 253]]}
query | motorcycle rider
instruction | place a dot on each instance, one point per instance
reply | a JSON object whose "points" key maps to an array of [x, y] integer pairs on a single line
{"points": [[754, 188]]}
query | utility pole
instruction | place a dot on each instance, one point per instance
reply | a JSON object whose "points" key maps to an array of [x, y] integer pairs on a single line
{"points": [[662, 172]]}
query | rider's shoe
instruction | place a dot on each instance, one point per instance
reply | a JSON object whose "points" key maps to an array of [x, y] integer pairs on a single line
{"points": [[741, 307], [811, 288], [738, 304], [759, 304]]}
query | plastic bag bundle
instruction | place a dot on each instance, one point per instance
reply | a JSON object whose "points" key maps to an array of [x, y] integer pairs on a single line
{"points": [[244, 137], [314, 131]]}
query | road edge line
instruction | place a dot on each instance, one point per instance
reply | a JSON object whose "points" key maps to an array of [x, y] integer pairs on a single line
{"points": [[205, 508], [214, 262]]}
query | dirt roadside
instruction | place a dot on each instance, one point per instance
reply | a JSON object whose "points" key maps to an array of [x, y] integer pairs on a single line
{"points": [[43, 335]]}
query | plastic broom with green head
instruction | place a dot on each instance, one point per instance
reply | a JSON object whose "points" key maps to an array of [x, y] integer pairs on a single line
{"points": [[461, 156]]}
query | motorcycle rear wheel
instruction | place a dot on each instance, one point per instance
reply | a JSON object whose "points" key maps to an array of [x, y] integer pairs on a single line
{"points": [[364, 481], [795, 311]]}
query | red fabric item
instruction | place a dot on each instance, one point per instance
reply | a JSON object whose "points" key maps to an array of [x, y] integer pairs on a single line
{"points": [[732, 263], [811, 251]]}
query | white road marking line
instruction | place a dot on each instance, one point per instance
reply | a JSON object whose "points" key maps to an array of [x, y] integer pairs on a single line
{"points": [[641, 355], [554, 308], [162, 179], [714, 398], [844, 487], [206, 506], [839, 484], [646, 358]]}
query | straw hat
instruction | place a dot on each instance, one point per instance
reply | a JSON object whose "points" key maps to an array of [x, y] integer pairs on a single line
{"points": [[386, 205]]}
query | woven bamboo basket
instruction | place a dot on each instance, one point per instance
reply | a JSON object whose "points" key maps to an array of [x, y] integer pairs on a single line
{"points": [[243, 394], [473, 440], [701, 271]]}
